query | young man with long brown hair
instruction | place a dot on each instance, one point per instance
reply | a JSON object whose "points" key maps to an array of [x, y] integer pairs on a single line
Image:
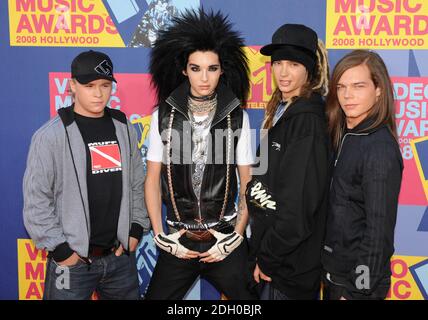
{"points": [[288, 204], [366, 179]]}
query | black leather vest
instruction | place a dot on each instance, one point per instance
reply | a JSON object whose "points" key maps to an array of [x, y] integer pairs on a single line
{"points": [[214, 178]]}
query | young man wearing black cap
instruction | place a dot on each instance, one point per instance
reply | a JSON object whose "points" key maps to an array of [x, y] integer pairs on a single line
{"points": [[288, 204], [83, 191]]}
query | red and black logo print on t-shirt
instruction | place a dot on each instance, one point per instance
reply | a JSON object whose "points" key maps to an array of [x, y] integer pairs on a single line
{"points": [[105, 157]]}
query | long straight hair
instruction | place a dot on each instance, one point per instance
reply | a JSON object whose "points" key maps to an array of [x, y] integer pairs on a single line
{"points": [[382, 112], [318, 82]]}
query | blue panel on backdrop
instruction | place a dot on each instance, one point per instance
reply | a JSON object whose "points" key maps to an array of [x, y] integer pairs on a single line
{"points": [[208, 292], [420, 274], [413, 66], [257, 20], [407, 235], [421, 61], [423, 226], [126, 15]]}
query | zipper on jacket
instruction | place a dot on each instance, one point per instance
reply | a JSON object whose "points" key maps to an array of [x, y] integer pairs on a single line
{"points": [[341, 146], [172, 103], [86, 259], [130, 189], [343, 140], [234, 106]]}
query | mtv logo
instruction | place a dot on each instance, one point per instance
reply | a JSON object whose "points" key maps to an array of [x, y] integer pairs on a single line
{"points": [[420, 274], [123, 9], [420, 152], [147, 255]]}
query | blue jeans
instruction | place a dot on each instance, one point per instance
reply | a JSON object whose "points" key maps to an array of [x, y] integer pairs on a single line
{"points": [[111, 277]]}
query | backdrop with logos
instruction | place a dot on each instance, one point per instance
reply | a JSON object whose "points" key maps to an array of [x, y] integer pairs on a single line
{"points": [[39, 39]]}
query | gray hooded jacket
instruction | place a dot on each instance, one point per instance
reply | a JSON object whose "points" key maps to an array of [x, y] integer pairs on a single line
{"points": [[56, 208]]}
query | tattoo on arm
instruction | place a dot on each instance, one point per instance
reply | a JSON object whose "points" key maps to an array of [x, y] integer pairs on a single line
{"points": [[242, 206]]}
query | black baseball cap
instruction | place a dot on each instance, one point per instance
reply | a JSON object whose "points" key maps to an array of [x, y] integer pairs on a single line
{"points": [[92, 65], [295, 42]]}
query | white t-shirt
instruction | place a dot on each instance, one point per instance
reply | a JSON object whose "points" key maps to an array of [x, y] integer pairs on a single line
{"points": [[244, 154]]}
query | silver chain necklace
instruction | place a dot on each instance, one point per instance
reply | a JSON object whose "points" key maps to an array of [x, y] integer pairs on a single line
{"points": [[199, 136], [202, 106]]}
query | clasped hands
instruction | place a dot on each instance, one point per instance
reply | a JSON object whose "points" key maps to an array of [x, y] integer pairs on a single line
{"points": [[224, 245]]}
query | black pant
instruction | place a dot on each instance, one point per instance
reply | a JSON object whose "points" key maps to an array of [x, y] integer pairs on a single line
{"points": [[173, 277], [335, 290], [270, 293]]}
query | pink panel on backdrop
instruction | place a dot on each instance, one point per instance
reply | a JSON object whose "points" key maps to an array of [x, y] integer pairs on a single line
{"points": [[411, 118], [132, 95]]}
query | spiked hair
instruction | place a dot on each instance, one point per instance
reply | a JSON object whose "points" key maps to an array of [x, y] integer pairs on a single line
{"points": [[196, 30]]}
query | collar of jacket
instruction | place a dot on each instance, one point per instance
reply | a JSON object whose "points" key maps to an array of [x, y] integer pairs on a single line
{"points": [[226, 100], [67, 115], [365, 127], [314, 104]]}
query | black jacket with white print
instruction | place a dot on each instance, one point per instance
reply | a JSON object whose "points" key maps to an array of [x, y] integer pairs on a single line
{"points": [[288, 204]]}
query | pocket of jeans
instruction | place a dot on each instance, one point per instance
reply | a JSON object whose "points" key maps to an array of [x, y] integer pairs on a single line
{"points": [[74, 266]]}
